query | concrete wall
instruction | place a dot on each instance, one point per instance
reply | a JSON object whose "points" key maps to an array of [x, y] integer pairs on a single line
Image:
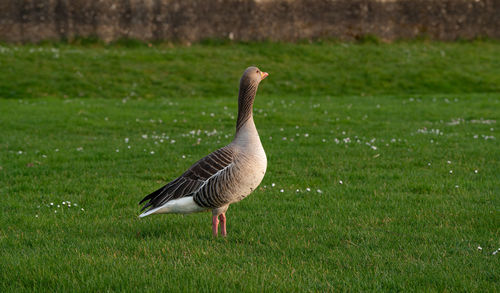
{"points": [[277, 20]]}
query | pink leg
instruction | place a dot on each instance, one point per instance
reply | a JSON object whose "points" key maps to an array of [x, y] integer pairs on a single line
{"points": [[215, 225], [222, 218]]}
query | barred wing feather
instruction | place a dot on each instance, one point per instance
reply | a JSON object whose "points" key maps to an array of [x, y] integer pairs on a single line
{"points": [[191, 180]]}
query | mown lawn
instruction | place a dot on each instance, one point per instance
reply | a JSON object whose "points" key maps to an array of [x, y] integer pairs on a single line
{"points": [[383, 167]]}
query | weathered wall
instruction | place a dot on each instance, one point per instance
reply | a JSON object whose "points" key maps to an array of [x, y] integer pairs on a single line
{"points": [[283, 20]]}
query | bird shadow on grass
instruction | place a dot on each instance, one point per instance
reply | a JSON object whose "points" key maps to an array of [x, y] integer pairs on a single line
{"points": [[179, 230], [173, 227]]}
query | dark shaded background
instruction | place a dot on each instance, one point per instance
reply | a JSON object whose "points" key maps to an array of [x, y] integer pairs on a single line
{"points": [[276, 20]]}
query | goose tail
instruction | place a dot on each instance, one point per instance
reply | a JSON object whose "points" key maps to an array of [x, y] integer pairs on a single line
{"points": [[149, 212]]}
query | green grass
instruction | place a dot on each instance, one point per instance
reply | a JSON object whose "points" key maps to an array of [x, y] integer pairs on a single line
{"points": [[388, 120], [211, 70]]}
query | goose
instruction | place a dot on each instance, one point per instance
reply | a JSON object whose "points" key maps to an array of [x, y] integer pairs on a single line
{"points": [[224, 176]]}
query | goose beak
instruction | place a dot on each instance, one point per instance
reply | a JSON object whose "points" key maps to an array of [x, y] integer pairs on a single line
{"points": [[263, 74]]}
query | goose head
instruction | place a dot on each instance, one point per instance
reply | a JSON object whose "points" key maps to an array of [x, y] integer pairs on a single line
{"points": [[252, 76], [249, 83]]}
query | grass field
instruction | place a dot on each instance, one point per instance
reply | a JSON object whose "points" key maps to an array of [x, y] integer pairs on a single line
{"points": [[383, 167]]}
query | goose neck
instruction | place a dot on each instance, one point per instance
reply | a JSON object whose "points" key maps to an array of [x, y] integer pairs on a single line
{"points": [[245, 103], [247, 134]]}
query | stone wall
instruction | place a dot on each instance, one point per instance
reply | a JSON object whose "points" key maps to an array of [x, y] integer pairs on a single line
{"points": [[277, 20]]}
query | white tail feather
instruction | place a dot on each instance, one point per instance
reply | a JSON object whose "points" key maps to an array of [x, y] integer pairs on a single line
{"points": [[147, 213], [185, 205]]}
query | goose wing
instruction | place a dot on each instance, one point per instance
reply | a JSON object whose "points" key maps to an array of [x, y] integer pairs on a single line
{"points": [[191, 180]]}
